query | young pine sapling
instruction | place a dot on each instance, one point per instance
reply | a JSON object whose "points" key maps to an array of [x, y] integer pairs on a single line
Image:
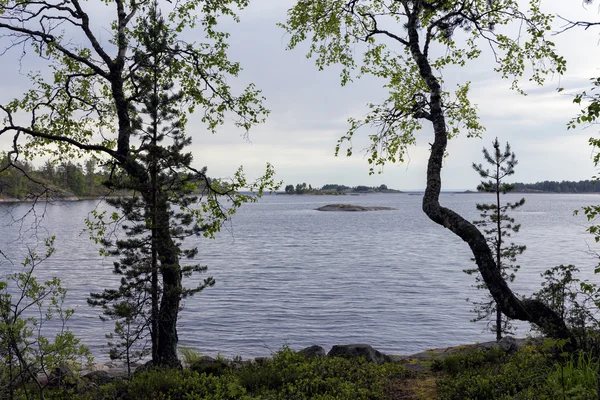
{"points": [[498, 226]]}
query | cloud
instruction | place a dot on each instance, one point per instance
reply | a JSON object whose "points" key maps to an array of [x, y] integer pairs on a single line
{"points": [[309, 110]]}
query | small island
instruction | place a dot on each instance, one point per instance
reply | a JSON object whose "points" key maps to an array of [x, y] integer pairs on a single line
{"points": [[335, 189], [351, 207]]}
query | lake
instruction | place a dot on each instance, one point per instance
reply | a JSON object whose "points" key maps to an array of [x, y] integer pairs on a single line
{"points": [[286, 273]]}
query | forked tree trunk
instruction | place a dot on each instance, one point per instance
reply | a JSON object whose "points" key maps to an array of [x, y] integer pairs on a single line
{"points": [[529, 310]]}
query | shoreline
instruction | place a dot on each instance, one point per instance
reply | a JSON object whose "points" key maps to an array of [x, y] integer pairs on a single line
{"points": [[69, 199], [509, 344]]}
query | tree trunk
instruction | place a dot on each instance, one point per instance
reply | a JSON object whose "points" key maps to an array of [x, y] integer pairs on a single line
{"points": [[164, 352], [526, 310], [171, 294], [498, 323]]}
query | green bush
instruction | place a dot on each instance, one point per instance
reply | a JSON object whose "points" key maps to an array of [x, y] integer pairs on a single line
{"points": [[180, 385], [293, 376], [489, 375], [289, 376], [216, 368], [472, 359], [531, 373], [30, 349], [577, 377]]}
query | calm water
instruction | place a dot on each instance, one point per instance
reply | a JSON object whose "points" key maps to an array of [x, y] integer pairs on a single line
{"points": [[288, 273]]}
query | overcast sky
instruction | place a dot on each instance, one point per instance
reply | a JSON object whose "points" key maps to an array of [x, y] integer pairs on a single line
{"points": [[309, 110]]}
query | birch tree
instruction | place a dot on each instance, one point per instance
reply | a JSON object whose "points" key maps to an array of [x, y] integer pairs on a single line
{"points": [[408, 44]]}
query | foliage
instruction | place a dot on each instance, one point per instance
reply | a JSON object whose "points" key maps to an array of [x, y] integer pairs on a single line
{"points": [[497, 226], [21, 180], [577, 302], [90, 100], [217, 368], [588, 115], [587, 186], [410, 46], [336, 187], [289, 189], [531, 373], [29, 311], [301, 188], [575, 378], [292, 375], [333, 189], [288, 375], [189, 355], [369, 37], [167, 200]]}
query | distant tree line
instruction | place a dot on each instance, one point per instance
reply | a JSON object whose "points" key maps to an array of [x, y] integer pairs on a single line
{"points": [[66, 179], [587, 186], [336, 189], [63, 179]]}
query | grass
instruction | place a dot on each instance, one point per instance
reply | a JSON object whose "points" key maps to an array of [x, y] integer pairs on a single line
{"points": [[531, 373]]}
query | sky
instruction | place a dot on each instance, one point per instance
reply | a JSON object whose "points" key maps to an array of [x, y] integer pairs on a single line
{"points": [[309, 112]]}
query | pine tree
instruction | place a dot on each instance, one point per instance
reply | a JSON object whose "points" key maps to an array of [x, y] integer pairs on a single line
{"points": [[158, 214], [497, 226]]}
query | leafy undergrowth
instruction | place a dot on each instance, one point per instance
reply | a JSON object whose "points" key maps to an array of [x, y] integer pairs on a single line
{"points": [[542, 373], [288, 375], [531, 373]]}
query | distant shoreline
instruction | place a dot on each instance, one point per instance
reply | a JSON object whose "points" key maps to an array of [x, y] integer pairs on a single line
{"points": [[524, 192], [11, 200]]}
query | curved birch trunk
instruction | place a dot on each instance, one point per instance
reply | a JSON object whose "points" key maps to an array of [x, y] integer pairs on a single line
{"points": [[529, 310]]}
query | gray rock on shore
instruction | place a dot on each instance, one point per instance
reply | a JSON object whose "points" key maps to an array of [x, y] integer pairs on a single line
{"points": [[313, 351], [358, 350]]}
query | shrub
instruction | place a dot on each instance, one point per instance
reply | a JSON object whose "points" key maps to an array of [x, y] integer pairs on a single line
{"points": [[488, 375], [292, 375], [288, 375], [576, 378], [27, 306]]}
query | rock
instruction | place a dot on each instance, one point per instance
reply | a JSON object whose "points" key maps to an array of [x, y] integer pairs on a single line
{"points": [[351, 207], [62, 378], [313, 351], [358, 350], [508, 344], [99, 377]]}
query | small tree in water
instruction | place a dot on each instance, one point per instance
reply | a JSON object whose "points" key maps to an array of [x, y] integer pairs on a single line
{"points": [[497, 226]]}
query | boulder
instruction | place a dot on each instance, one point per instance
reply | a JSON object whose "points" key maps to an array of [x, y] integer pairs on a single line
{"points": [[508, 344], [62, 378], [99, 377], [313, 351], [358, 350]]}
